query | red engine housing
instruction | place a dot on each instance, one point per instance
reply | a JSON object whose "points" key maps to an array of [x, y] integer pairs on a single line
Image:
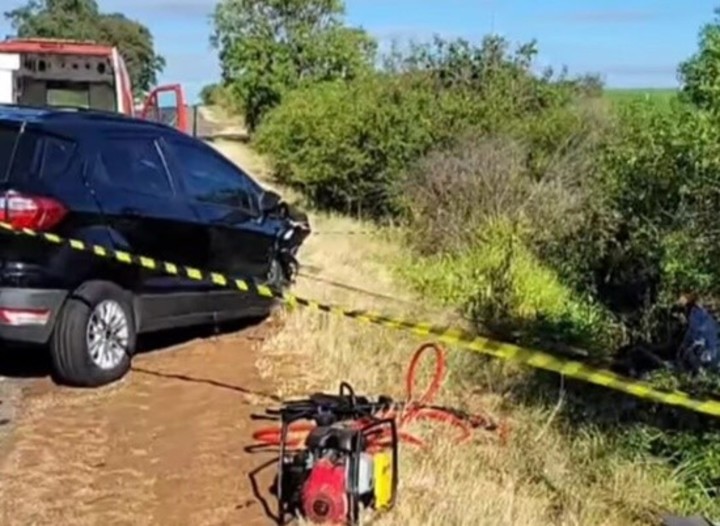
{"points": [[324, 497]]}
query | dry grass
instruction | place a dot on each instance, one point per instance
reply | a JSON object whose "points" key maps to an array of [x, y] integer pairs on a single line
{"points": [[539, 478]]}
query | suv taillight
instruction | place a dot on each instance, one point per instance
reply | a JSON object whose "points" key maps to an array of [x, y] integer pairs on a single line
{"points": [[27, 211]]}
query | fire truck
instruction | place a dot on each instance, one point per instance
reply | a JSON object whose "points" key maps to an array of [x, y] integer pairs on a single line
{"points": [[74, 74]]}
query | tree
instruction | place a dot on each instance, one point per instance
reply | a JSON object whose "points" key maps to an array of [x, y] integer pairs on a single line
{"points": [[82, 20], [267, 47], [700, 74], [135, 43], [208, 93]]}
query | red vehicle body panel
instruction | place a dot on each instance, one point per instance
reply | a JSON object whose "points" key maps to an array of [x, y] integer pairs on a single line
{"points": [[55, 46], [124, 91]]}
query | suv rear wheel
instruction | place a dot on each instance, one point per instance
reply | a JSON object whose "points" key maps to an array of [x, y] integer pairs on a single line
{"points": [[94, 336]]}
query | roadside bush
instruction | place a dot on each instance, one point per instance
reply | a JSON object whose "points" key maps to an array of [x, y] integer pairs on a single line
{"points": [[582, 223], [541, 173], [502, 286], [658, 181], [344, 143], [208, 92], [450, 195], [658, 177], [347, 143], [539, 182], [221, 95]]}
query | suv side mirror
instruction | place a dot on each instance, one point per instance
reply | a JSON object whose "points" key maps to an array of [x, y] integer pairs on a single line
{"points": [[269, 201]]}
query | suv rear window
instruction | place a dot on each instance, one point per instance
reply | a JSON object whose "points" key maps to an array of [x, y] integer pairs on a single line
{"points": [[33, 154], [8, 138]]}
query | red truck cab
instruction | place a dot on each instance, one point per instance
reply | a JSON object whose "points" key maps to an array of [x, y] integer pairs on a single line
{"points": [[52, 72]]}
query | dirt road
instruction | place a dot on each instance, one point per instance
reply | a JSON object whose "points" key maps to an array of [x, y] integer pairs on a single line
{"points": [[163, 447]]}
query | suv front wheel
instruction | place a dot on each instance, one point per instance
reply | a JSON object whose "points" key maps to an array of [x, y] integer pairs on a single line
{"points": [[276, 277], [94, 336]]}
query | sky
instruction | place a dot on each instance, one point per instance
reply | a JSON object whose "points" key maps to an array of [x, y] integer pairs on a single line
{"points": [[631, 43]]}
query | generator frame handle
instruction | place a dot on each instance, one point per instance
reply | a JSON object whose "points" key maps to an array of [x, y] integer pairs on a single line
{"points": [[354, 466], [282, 446]]}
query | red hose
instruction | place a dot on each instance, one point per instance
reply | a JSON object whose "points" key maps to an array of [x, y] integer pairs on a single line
{"points": [[437, 379], [411, 410]]}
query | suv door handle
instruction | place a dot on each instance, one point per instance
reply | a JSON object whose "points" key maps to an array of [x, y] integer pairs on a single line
{"points": [[131, 212]]}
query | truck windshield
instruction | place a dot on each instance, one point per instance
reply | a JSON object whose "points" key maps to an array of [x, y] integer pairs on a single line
{"points": [[69, 96], [89, 95]]}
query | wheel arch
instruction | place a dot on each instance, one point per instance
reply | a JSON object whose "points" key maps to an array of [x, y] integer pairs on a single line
{"points": [[82, 291]]}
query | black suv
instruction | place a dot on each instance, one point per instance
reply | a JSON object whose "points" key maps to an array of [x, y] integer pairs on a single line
{"points": [[143, 188]]}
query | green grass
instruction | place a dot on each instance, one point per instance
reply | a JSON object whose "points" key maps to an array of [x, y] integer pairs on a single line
{"points": [[661, 95]]}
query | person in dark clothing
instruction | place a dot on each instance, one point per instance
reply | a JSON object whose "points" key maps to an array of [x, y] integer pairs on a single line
{"points": [[699, 347], [697, 350]]}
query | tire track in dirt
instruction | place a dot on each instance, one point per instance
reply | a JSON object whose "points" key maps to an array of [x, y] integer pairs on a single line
{"points": [[163, 447]]}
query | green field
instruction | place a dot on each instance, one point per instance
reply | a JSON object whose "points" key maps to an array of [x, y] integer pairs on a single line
{"points": [[663, 95]]}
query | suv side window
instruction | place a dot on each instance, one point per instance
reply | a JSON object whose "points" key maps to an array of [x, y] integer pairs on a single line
{"points": [[208, 178], [133, 163], [26, 161], [38, 155], [8, 138], [56, 157]]}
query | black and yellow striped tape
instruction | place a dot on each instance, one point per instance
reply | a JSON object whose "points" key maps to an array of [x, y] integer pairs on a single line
{"points": [[447, 335]]}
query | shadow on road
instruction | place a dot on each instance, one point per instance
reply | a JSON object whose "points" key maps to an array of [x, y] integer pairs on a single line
{"points": [[207, 381], [33, 362], [256, 478], [24, 362], [170, 338]]}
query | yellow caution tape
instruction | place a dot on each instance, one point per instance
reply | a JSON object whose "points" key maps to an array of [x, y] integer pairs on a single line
{"points": [[448, 335]]}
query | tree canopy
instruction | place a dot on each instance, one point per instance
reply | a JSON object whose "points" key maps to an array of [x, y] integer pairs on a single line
{"points": [[82, 20], [268, 47], [700, 74]]}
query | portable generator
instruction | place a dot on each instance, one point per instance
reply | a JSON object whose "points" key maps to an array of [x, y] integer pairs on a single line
{"points": [[347, 462]]}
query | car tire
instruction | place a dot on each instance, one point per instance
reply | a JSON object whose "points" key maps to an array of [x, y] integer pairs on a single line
{"points": [[278, 282], [94, 336], [276, 277]]}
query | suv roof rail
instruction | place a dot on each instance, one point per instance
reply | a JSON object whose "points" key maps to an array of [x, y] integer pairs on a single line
{"points": [[49, 109], [86, 111], [79, 112]]}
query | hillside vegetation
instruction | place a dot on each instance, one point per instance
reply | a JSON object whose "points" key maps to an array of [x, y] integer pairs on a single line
{"points": [[540, 477], [531, 205]]}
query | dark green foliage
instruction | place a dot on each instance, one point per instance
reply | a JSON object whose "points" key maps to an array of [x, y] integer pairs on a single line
{"points": [[82, 20], [348, 142], [345, 144], [208, 94], [700, 74], [547, 213], [268, 47]]}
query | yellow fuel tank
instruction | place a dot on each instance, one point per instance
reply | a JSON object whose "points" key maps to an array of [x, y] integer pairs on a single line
{"points": [[383, 474]]}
